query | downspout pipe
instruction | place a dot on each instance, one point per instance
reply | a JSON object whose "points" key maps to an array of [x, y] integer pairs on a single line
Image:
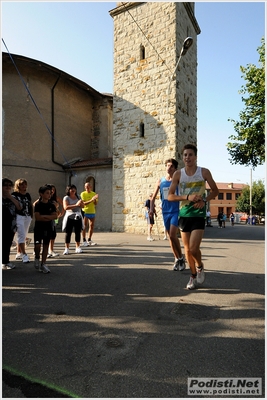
{"points": [[53, 127], [53, 121]]}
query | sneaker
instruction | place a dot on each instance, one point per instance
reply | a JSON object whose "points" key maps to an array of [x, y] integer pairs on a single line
{"points": [[25, 258], [91, 243], [44, 269], [8, 266], [36, 263], [19, 256], [192, 284], [176, 265], [85, 243], [181, 264], [150, 238], [52, 254], [200, 274], [165, 238], [66, 251], [14, 245], [78, 250], [27, 242]]}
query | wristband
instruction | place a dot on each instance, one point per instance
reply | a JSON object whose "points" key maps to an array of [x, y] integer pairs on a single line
{"points": [[187, 196]]}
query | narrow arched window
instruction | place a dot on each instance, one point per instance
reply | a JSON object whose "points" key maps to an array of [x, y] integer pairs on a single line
{"points": [[91, 180], [142, 52], [142, 129]]}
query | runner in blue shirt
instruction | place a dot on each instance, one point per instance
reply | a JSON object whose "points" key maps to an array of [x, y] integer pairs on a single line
{"points": [[170, 212]]}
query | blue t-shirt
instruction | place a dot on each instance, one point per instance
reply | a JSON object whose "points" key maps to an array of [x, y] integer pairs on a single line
{"points": [[168, 207]]}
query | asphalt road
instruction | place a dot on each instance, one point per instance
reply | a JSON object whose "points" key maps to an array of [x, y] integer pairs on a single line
{"points": [[117, 321]]}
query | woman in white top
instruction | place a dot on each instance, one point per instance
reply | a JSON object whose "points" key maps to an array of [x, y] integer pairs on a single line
{"points": [[73, 205]]}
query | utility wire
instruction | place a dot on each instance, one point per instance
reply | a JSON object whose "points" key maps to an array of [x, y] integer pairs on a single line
{"points": [[35, 105], [164, 62]]}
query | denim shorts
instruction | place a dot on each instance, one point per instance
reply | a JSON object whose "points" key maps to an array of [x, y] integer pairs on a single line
{"points": [[90, 216]]}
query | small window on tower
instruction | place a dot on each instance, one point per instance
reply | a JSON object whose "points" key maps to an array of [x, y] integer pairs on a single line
{"points": [[142, 129], [142, 52]]}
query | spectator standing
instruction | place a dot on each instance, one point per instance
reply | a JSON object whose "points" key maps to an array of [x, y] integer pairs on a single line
{"points": [[24, 217], [223, 219], [170, 212], [73, 219], [58, 203], [9, 207], [232, 219], [220, 219], [149, 214], [45, 214], [208, 218], [192, 187], [90, 200]]}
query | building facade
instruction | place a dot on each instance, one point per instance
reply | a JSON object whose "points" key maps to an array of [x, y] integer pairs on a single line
{"points": [[154, 116], [48, 140], [117, 142], [226, 200]]}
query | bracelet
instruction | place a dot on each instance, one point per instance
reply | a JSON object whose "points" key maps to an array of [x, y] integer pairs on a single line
{"points": [[187, 196]]}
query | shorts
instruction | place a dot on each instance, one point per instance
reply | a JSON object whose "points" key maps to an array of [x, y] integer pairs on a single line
{"points": [[150, 221], [23, 224], [189, 224], [170, 219], [44, 236], [89, 216]]}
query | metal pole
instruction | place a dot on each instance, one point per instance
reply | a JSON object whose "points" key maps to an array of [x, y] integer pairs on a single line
{"points": [[250, 198]]}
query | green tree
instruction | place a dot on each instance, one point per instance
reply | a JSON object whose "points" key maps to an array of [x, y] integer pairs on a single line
{"points": [[248, 146], [258, 199]]}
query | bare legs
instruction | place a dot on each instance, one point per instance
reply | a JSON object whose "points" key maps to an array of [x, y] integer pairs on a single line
{"points": [[192, 241]]}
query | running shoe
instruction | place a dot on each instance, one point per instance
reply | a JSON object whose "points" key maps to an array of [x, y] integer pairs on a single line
{"points": [[150, 239], [44, 269], [8, 266], [192, 284], [85, 243], [19, 256], [66, 252], [25, 258], [200, 275], [181, 264], [52, 254], [91, 243], [176, 265], [78, 250]]}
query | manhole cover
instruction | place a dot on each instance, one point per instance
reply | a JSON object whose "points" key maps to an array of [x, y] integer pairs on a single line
{"points": [[197, 311], [114, 342]]}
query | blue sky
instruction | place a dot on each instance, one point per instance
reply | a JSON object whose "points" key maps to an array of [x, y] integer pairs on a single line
{"points": [[77, 37]]}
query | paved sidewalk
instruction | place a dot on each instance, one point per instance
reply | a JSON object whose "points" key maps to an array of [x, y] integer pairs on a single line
{"points": [[117, 321]]}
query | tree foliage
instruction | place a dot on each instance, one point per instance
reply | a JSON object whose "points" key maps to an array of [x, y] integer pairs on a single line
{"points": [[258, 199], [248, 145]]}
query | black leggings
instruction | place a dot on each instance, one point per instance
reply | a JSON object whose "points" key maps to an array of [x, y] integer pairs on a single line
{"points": [[7, 238], [75, 224]]}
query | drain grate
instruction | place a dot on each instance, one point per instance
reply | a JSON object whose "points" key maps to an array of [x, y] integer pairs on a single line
{"points": [[114, 342]]}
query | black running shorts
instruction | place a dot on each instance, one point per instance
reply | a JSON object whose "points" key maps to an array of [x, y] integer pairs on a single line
{"points": [[189, 224]]}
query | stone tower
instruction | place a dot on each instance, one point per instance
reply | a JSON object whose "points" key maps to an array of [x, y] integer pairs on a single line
{"points": [[154, 109]]}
